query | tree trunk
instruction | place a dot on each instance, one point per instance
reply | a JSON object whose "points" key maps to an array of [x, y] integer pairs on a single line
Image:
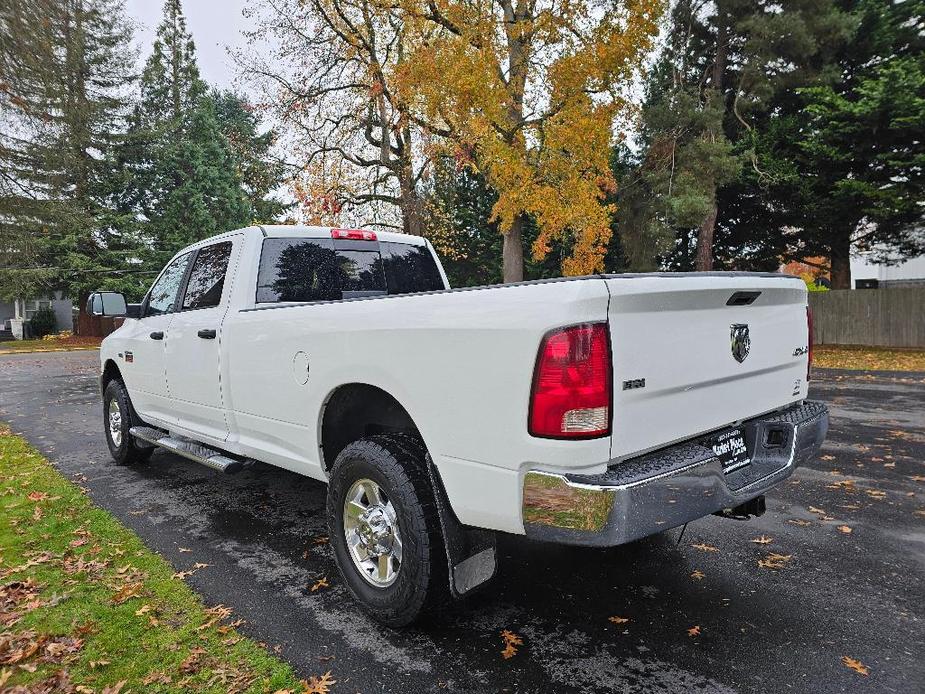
{"points": [[841, 263], [410, 203], [704, 261], [513, 252]]}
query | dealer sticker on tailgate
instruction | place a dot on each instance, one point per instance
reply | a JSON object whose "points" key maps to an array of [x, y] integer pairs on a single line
{"points": [[729, 447]]}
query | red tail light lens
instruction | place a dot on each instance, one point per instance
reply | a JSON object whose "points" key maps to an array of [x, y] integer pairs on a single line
{"points": [[571, 384], [809, 343], [354, 234]]}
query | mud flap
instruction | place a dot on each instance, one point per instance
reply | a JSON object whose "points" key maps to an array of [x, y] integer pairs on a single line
{"points": [[471, 554]]}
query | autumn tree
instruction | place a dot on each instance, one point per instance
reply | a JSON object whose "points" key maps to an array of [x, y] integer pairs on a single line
{"points": [[527, 92], [325, 79]]}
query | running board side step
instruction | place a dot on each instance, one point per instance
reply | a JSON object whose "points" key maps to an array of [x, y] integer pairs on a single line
{"points": [[191, 450]]}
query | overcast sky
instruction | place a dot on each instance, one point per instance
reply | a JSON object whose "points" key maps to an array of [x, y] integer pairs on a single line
{"points": [[214, 25]]}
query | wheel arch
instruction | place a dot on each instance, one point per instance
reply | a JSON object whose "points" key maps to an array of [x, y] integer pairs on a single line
{"points": [[357, 410], [110, 373]]}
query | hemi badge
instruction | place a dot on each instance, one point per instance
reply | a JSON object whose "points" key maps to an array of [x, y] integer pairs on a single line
{"points": [[129, 357], [634, 384]]}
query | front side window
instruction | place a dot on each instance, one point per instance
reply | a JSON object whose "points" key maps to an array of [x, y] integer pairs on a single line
{"points": [[163, 295], [207, 278]]}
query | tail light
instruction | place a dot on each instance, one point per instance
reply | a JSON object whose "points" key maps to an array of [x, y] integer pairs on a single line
{"points": [[354, 234], [809, 343], [571, 384]]}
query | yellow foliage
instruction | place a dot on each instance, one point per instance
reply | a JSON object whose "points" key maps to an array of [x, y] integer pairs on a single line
{"points": [[529, 92]]}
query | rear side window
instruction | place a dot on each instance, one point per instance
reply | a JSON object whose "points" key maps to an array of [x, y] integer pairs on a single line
{"points": [[302, 269], [297, 270], [410, 268], [207, 278]]}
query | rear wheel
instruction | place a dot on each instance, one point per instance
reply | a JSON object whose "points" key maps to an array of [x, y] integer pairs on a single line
{"points": [[118, 417], [384, 528]]}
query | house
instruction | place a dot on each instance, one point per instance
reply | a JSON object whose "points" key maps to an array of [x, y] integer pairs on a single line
{"points": [[15, 315], [867, 275]]}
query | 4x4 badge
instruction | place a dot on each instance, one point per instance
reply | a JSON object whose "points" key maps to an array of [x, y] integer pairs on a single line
{"points": [[740, 340]]}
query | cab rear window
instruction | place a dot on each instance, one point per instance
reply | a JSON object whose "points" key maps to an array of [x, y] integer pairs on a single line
{"points": [[300, 269]]}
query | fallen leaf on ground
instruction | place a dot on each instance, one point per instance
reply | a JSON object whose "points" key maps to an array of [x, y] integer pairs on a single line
{"points": [[511, 641], [618, 620], [37, 496], [184, 549], [320, 583], [127, 592], [917, 478], [846, 529], [855, 665], [799, 521], [694, 630], [116, 688], [813, 509], [875, 493], [698, 574], [219, 611], [144, 609], [705, 548], [157, 678], [318, 685], [193, 662], [763, 540], [774, 561]]}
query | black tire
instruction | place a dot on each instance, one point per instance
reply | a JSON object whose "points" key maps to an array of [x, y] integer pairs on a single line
{"points": [[127, 450], [397, 463]]}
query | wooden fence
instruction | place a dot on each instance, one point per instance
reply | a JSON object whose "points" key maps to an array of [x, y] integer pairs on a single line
{"points": [[874, 317]]}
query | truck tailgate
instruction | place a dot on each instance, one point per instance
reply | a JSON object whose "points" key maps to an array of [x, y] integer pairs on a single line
{"points": [[693, 353]]}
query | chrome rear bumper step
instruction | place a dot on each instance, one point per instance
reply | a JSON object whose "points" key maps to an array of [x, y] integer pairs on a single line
{"points": [[210, 457]]}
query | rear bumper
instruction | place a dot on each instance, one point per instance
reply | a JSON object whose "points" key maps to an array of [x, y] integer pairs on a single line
{"points": [[667, 488]]}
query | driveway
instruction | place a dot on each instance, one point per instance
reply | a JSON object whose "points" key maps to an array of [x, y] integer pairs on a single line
{"points": [[852, 525]]}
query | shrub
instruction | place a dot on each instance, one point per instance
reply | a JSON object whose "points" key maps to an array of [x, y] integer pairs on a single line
{"points": [[43, 322]]}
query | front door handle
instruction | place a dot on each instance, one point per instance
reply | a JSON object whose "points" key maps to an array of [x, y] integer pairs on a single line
{"points": [[206, 334], [157, 335]]}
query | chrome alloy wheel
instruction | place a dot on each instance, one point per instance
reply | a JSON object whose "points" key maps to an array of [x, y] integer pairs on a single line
{"points": [[371, 531], [115, 422]]}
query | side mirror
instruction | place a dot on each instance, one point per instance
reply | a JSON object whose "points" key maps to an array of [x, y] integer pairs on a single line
{"points": [[110, 304]]}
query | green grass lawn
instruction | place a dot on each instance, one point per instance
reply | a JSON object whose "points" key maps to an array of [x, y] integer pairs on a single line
{"points": [[868, 358], [85, 607]]}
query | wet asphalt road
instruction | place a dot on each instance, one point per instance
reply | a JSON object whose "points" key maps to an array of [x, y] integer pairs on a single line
{"points": [[859, 594]]}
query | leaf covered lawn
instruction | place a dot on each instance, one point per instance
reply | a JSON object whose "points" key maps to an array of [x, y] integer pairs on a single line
{"points": [[85, 607], [868, 358]]}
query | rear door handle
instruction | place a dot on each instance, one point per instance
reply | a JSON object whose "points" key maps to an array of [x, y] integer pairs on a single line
{"points": [[157, 335], [206, 334]]}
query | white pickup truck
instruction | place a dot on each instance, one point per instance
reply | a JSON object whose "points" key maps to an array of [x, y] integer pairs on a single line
{"points": [[591, 410]]}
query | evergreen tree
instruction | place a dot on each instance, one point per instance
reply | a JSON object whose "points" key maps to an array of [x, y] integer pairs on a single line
{"points": [[179, 178], [65, 67], [260, 172], [725, 72], [851, 153]]}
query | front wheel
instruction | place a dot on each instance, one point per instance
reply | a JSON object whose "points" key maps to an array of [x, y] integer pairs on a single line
{"points": [[118, 418], [384, 528]]}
